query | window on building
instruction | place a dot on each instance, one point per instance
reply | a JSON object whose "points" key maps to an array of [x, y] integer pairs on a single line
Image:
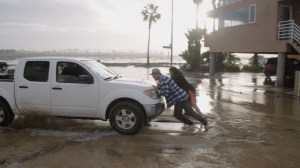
{"points": [[252, 13], [234, 18], [238, 17], [227, 2]]}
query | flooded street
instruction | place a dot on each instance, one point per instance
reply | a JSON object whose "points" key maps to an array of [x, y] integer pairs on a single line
{"points": [[252, 125]]}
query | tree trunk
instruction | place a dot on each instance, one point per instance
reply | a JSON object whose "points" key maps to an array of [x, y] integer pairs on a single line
{"points": [[148, 62]]}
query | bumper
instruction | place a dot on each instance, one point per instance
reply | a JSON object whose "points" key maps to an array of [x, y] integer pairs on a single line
{"points": [[154, 110]]}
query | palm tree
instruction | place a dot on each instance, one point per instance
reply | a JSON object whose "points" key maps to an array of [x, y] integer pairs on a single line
{"points": [[254, 64], [254, 60], [197, 2], [151, 15], [192, 55]]}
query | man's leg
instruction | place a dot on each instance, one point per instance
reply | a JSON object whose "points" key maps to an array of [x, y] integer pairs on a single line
{"points": [[190, 111], [178, 113]]}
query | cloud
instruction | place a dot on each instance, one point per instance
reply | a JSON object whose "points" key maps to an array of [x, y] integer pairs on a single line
{"points": [[49, 15], [91, 24]]}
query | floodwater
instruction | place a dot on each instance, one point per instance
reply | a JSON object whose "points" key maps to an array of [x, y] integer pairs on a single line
{"points": [[252, 125]]}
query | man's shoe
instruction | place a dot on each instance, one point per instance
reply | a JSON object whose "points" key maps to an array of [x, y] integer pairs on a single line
{"points": [[190, 127], [185, 126], [206, 127]]}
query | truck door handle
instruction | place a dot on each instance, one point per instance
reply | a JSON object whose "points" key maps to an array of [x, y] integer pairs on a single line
{"points": [[56, 88], [23, 87]]}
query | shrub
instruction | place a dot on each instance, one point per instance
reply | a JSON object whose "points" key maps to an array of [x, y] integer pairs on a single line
{"points": [[231, 68], [248, 68]]}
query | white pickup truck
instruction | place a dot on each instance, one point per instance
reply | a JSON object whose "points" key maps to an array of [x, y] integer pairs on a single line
{"points": [[77, 88]]}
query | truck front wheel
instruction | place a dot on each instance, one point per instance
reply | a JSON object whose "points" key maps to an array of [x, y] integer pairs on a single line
{"points": [[6, 115], [126, 118]]}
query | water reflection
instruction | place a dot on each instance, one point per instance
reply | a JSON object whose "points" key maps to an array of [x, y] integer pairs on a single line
{"points": [[213, 92], [241, 83], [203, 99], [248, 123], [254, 80]]}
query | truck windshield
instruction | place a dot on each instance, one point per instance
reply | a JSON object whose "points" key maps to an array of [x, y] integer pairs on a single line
{"points": [[102, 70]]}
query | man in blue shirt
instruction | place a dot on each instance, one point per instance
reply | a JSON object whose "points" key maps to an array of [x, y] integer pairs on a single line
{"points": [[176, 96]]}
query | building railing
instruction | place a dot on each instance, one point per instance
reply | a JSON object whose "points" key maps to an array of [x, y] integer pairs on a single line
{"points": [[288, 30]]}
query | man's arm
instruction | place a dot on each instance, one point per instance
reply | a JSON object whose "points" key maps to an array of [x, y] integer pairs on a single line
{"points": [[163, 88]]}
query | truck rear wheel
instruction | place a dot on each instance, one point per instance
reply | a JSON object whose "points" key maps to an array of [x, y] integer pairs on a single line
{"points": [[6, 115], [126, 118]]}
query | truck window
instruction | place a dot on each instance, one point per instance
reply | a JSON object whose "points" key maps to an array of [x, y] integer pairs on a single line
{"points": [[37, 71], [68, 72]]}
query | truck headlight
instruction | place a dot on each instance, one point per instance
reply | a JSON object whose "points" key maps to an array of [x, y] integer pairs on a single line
{"points": [[151, 93]]}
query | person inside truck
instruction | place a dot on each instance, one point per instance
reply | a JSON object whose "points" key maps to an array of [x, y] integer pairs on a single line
{"points": [[72, 69]]}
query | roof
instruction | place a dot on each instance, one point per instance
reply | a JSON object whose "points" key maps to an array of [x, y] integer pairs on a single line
{"points": [[56, 58]]}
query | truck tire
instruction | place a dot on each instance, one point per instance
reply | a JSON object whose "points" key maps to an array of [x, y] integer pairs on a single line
{"points": [[6, 115], [126, 118]]}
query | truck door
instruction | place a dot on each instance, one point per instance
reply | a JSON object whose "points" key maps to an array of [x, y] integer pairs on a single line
{"points": [[32, 87], [70, 95]]}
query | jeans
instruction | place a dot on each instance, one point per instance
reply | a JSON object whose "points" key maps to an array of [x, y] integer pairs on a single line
{"points": [[186, 106]]}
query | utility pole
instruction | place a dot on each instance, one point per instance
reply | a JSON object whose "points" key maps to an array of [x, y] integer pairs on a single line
{"points": [[171, 45]]}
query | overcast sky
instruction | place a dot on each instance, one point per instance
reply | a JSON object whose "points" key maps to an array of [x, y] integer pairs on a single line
{"points": [[94, 25]]}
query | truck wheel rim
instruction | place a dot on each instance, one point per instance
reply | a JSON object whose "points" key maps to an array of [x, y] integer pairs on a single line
{"points": [[125, 119]]}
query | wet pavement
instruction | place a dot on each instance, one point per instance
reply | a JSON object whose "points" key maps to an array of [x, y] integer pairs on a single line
{"points": [[252, 125]]}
